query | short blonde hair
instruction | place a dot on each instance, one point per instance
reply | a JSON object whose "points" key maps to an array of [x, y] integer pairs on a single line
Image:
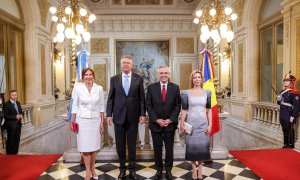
{"points": [[192, 77]]}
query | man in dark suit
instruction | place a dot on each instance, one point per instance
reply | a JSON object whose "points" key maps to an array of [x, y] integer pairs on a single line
{"points": [[126, 108], [163, 106], [13, 116]]}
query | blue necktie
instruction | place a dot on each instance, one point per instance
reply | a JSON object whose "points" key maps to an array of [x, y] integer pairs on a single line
{"points": [[16, 107], [126, 84]]}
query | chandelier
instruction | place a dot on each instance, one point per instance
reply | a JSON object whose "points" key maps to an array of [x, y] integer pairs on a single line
{"points": [[215, 19], [72, 19]]}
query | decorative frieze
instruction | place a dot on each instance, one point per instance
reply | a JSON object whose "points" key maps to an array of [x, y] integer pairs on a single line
{"points": [[138, 24]]}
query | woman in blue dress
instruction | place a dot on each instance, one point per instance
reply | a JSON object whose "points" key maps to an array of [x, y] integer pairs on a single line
{"points": [[196, 108]]}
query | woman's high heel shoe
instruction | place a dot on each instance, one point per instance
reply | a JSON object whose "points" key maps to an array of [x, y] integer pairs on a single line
{"points": [[95, 177]]}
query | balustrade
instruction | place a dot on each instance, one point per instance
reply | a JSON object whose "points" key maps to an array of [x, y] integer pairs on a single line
{"points": [[266, 114]]}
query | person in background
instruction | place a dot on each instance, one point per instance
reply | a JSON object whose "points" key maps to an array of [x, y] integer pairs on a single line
{"points": [[163, 106], [88, 109], [289, 102], [196, 103], [126, 109], [13, 115]]}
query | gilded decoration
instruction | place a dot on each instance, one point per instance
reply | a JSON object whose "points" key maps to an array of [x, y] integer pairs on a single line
{"points": [[43, 69], [116, 2], [142, 2], [298, 53], [99, 45], [238, 7], [168, 2], [240, 67], [185, 71], [43, 6], [100, 75], [185, 45]]}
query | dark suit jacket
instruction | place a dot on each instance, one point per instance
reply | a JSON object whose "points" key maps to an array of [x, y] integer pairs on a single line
{"points": [[10, 114], [163, 110], [119, 105]]}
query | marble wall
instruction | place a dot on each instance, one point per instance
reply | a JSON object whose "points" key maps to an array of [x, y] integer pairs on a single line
{"points": [[49, 138]]}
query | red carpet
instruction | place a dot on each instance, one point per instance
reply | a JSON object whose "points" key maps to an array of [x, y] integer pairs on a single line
{"points": [[14, 167], [273, 164]]}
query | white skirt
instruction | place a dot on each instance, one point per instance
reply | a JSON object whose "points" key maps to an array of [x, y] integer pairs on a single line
{"points": [[88, 137]]}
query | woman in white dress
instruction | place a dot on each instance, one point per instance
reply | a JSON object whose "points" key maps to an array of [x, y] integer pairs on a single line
{"points": [[88, 112]]}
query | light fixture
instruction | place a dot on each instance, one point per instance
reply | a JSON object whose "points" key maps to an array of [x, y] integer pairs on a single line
{"points": [[215, 19], [58, 56], [72, 19]]}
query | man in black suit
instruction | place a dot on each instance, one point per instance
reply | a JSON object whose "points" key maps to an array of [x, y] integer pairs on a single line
{"points": [[126, 108], [13, 116], [163, 106]]}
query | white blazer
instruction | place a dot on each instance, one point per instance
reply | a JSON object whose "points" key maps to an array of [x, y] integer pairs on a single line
{"points": [[85, 104]]}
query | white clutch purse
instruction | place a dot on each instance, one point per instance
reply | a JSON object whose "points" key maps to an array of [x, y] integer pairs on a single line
{"points": [[188, 128]]}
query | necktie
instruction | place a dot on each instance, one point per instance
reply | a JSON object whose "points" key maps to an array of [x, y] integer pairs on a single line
{"points": [[16, 107], [126, 84], [163, 93]]}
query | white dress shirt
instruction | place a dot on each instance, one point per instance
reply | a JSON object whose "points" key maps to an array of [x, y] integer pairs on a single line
{"points": [[161, 86], [129, 78]]}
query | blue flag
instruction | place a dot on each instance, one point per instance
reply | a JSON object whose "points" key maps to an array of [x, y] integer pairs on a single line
{"points": [[82, 62]]}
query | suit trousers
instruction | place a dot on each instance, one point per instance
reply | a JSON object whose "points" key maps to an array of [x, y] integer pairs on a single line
{"points": [[129, 131], [13, 140], [168, 138], [288, 132]]}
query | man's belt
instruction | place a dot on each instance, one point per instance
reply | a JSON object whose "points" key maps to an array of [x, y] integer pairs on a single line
{"points": [[286, 104]]}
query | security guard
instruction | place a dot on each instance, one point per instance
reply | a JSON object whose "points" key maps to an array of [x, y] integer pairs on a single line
{"points": [[289, 102]]}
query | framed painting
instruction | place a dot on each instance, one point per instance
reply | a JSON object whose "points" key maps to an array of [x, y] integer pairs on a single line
{"points": [[147, 57]]}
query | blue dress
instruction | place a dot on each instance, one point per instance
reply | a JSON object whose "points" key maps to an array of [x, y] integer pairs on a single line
{"points": [[197, 143]]}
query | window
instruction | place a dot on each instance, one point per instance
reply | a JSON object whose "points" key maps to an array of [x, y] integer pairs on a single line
{"points": [[11, 60], [271, 54]]}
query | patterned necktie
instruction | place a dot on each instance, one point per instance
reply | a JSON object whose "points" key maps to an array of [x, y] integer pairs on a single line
{"points": [[163, 93], [126, 85], [16, 107]]}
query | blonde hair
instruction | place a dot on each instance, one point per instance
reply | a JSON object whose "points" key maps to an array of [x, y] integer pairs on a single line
{"points": [[192, 77]]}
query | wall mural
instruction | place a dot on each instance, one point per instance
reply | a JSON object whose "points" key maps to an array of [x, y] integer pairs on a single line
{"points": [[147, 57]]}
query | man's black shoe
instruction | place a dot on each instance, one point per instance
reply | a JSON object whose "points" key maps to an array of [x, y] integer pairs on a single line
{"points": [[122, 174], [132, 175], [169, 175], [285, 146], [158, 175]]}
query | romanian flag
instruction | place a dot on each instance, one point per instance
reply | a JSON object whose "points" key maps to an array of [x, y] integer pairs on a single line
{"points": [[208, 84]]}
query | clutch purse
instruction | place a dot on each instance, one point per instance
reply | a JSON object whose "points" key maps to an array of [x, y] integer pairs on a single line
{"points": [[75, 127], [188, 128]]}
